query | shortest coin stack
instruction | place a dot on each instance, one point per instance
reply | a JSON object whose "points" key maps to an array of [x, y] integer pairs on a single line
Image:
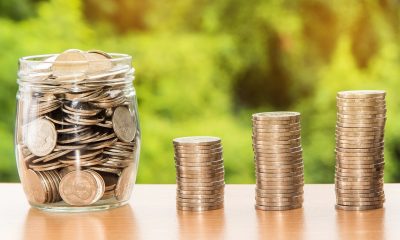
{"points": [[199, 173], [278, 160]]}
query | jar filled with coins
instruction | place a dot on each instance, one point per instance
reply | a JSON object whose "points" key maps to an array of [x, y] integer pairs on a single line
{"points": [[77, 135]]}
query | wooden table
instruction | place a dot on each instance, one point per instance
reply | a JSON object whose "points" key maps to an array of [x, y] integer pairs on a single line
{"points": [[151, 214]]}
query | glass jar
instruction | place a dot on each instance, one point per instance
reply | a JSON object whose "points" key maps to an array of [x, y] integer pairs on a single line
{"points": [[77, 135]]}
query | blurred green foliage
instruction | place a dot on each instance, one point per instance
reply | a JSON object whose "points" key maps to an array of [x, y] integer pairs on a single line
{"points": [[203, 66]]}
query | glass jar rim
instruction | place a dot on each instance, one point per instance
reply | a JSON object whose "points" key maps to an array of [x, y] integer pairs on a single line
{"points": [[43, 58]]}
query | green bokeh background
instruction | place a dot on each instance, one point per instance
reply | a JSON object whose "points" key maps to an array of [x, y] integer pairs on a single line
{"points": [[204, 66]]}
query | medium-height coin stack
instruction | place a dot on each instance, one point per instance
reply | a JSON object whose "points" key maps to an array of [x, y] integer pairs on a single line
{"points": [[199, 173], [360, 163], [278, 160], [76, 129]]}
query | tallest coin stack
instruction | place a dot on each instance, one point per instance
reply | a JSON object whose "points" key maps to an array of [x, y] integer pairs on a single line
{"points": [[360, 163]]}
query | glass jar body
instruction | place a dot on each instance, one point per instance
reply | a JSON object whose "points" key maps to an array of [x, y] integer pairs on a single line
{"points": [[77, 134]]}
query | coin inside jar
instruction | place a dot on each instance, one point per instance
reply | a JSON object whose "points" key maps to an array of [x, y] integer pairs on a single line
{"points": [[41, 137], [80, 188], [124, 124]]}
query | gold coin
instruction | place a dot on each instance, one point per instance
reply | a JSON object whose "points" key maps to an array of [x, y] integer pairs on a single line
{"points": [[215, 191], [359, 115], [217, 163], [282, 179], [360, 166], [217, 194], [278, 192], [373, 103], [360, 150], [269, 129], [80, 188], [291, 187], [199, 180], [70, 62], [34, 188], [358, 191], [200, 188], [200, 184], [98, 61], [201, 201], [371, 100], [360, 195], [196, 140], [276, 115], [194, 147], [276, 150], [124, 124], [125, 183], [360, 199], [199, 208], [358, 208], [271, 121], [361, 120], [41, 137], [360, 188], [198, 155], [359, 203], [362, 94], [283, 208], [271, 135], [202, 204], [279, 200], [197, 151]]}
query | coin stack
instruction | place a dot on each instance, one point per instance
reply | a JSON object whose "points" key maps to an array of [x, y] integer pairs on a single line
{"points": [[360, 162], [77, 131], [199, 173], [278, 160]]}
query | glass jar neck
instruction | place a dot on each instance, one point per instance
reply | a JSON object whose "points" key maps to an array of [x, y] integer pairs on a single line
{"points": [[47, 75]]}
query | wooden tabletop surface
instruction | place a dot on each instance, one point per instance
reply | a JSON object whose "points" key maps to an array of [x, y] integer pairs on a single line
{"points": [[151, 214]]}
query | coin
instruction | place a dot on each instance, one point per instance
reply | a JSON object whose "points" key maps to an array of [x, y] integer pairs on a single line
{"points": [[361, 94], [358, 208], [41, 137], [70, 62], [125, 183], [196, 140], [34, 188], [191, 149], [80, 188], [124, 124], [276, 115], [98, 61], [282, 208], [199, 208]]}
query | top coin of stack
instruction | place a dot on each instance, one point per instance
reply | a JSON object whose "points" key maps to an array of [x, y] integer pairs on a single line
{"points": [[199, 173], [278, 160], [360, 163]]}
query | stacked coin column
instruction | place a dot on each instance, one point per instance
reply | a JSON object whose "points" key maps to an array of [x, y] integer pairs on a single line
{"points": [[199, 173], [278, 160], [360, 163]]}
